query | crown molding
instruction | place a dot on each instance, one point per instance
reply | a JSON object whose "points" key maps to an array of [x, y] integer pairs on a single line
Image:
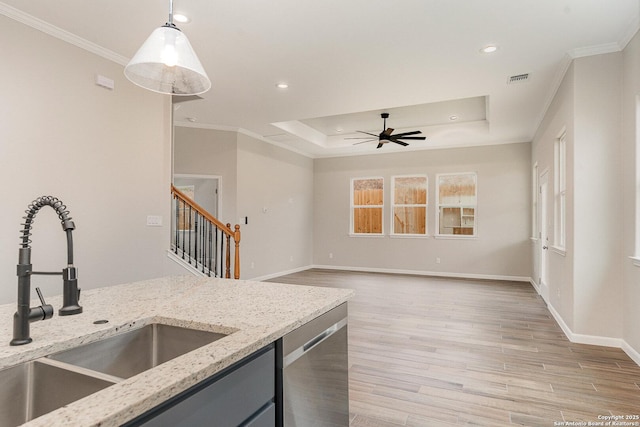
{"points": [[630, 33], [598, 49], [59, 33]]}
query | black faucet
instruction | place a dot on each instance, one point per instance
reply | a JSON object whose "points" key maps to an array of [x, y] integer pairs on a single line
{"points": [[70, 295]]}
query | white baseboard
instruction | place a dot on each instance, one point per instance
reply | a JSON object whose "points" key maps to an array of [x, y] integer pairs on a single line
{"points": [[631, 352], [281, 273], [178, 260], [425, 273], [594, 339], [535, 285]]}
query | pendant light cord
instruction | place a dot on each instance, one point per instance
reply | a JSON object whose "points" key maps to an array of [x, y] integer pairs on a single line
{"points": [[171, 12]]}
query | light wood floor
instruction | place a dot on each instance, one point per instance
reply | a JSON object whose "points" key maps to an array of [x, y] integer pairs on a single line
{"points": [[427, 351]]}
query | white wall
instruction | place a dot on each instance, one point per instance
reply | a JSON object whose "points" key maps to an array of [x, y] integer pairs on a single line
{"points": [[106, 154], [586, 290], [210, 152], [275, 190], [631, 212], [597, 212], [271, 186], [503, 217], [559, 118]]}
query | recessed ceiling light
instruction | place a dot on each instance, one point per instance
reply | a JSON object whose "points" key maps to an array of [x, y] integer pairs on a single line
{"points": [[489, 48], [282, 85], [183, 19], [453, 117]]}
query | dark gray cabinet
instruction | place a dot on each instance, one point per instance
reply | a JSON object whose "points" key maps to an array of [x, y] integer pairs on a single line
{"points": [[241, 395]]}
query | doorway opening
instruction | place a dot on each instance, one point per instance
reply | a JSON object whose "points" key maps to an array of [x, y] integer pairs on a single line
{"points": [[203, 189]]}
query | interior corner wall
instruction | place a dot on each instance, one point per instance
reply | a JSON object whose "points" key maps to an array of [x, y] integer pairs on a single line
{"points": [[597, 215], [275, 193], [210, 152], [585, 284], [630, 156], [105, 153], [501, 249], [559, 118]]}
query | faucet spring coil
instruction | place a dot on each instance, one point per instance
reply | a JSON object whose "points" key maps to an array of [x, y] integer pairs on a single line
{"points": [[32, 210]]}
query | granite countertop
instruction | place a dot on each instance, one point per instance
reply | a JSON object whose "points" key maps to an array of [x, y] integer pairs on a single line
{"points": [[254, 314]]}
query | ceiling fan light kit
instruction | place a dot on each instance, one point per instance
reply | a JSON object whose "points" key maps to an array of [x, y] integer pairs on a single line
{"points": [[387, 135], [166, 63]]}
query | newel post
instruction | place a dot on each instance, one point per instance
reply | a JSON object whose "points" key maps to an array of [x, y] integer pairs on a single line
{"points": [[236, 262]]}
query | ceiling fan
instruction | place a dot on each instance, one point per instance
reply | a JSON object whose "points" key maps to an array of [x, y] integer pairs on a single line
{"points": [[387, 135]]}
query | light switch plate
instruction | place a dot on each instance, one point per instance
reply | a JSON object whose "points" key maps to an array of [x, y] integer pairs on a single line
{"points": [[154, 220]]}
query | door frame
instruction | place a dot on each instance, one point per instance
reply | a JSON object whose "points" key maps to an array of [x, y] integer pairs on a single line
{"points": [[543, 233], [218, 196]]}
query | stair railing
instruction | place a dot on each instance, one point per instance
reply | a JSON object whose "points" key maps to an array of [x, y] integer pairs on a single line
{"points": [[202, 240]]}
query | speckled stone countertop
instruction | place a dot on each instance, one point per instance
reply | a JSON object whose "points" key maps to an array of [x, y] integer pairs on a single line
{"points": [[254, 314]]}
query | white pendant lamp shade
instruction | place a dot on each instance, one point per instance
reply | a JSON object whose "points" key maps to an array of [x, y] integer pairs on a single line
{"points": [[166, 63]]}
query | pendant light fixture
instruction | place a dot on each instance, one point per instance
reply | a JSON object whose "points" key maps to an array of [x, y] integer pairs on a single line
{"points": [[166, 63]]}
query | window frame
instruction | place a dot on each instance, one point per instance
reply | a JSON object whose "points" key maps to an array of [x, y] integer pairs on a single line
{"points": [[352, 208], [394, 205], [535, 190], [560, 192], [439, 205], [635, 258]]}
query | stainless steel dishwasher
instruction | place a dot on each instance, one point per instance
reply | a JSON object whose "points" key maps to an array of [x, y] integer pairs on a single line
{"points": [[313, 378]]}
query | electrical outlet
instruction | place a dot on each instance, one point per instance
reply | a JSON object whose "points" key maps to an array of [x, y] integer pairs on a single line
{"points": [[253, 264], [437, 260], [291, 258], [330, 255]]}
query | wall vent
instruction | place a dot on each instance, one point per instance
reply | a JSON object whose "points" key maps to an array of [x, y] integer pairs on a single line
{"points": [[520, 78]]}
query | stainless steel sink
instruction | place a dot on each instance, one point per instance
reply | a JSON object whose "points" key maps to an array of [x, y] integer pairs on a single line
{"points": [[133, 352], [35, 388]]}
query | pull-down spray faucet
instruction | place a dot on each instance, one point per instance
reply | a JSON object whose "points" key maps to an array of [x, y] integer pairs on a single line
{"points": [[25, 314]]}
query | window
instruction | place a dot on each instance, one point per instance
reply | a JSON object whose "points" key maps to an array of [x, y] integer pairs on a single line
{"points": [[457, 199], [367, 203], [409, 208], [636, 255], [534, 201], [560, 187]]}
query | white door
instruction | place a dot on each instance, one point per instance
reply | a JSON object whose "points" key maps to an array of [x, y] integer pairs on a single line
{"points": [[543, 236]]}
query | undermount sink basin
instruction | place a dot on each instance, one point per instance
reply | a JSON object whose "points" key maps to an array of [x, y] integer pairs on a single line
{"points": [[135, 351], [36, 388]]}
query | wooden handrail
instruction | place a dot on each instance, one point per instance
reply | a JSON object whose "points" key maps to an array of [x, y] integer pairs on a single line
{"points": [[202, 211], [226, 229]]}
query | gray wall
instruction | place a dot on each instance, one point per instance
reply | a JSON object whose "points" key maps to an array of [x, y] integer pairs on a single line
{"points": [[106, 154], [501, 248]]}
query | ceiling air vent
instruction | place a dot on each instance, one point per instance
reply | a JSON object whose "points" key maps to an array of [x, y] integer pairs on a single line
{"points": [[520, 78]]}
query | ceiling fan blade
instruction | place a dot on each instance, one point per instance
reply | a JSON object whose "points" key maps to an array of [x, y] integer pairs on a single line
{"points": [[380, 144], [415, 138], [387, 132], [372, 134], [362, 142], [399, 142], [362, 137], [400, 135]]}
